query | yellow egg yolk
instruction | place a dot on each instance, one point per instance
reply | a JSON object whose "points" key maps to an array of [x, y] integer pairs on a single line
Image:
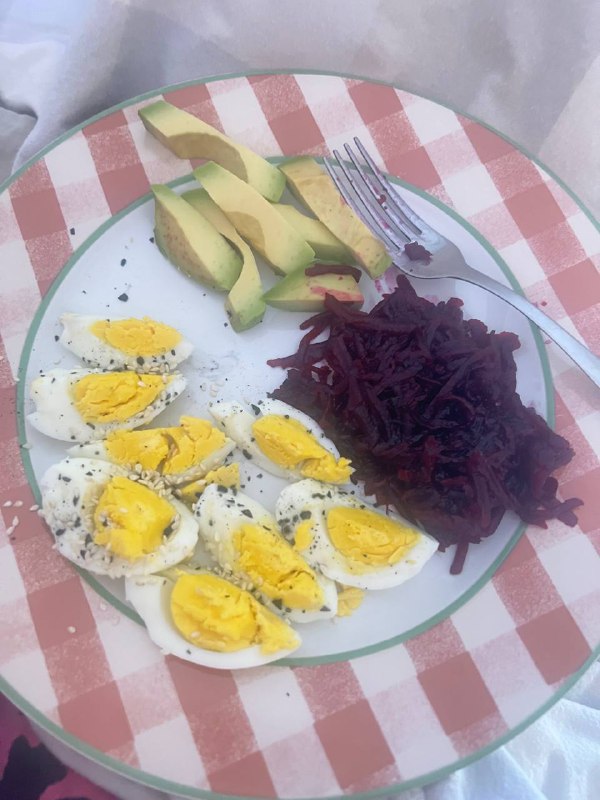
{"points": [[304, 536], [275, 568], [349, 599], [290, 445], [168, 450], [228, 476], [130, 520], [115, 396], [137, 337], [368, 539], [213, 614]]}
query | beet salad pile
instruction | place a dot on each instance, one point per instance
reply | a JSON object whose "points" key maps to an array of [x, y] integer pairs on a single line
{"points": [[424, 402]]}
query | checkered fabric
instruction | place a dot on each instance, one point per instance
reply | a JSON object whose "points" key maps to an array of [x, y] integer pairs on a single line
{"points": [[344, 727]]}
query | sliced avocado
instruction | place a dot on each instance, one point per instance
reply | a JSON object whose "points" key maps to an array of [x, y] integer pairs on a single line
{"points": [[190, 137], [191, 243], [244, 305], [301, 292], [255, 219], [318, 192], [327, 247]]}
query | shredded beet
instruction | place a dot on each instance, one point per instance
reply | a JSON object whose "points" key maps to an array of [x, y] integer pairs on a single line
{"points": [[416, 252], [424, 402], [333, 269]]}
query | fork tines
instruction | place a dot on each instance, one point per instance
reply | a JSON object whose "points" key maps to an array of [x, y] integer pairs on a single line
{"points": [[368, 191]]}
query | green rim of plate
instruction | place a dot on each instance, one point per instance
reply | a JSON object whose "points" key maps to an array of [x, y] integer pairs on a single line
{"points": [[161, 784], [347, 655]]}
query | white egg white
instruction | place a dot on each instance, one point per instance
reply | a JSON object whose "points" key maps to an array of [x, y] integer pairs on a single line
{"points": [[198, 470], [220, 512], [313, 500], [237, 423], [150, 597], [70, 492], [57, 416], [79, 339]]}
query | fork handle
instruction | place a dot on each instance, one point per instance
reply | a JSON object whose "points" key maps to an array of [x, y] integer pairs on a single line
{"points": [[579, 353]]}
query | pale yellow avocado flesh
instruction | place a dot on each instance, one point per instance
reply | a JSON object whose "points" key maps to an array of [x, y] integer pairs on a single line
{"points": [[192, 243], [244, 305], [189, 137], [327, 247], [313, 186], [255, 219], [301, 292]]}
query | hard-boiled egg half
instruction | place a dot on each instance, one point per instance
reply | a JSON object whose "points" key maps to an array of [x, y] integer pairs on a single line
{"points": [[113, 525], [243, 537], [124, 343], [83, 405], [203, 618], [282, 440], [180, 453], [349, 541]]}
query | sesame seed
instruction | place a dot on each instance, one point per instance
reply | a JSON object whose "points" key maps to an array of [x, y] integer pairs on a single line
{"points": [[7, 504], [18, 504], [72, 629], [34, 507], [15, 522]]}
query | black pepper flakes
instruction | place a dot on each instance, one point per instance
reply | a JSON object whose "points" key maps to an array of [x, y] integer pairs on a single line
{"points": [[123, 297], [123, 262]]}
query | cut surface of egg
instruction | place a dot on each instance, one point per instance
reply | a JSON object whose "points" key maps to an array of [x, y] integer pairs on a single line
{"points": [[82, 405], [282, 440], [349, 541], [124, 343], [227, 475], [208, 620], [109, 524], [245, 540], [179, 453]]}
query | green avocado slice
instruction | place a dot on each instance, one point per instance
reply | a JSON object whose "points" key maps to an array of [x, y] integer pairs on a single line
{"points": [[189, 137], [190, 242], [327, 247], [255, 219], [244, 305], [301, 292], [313, 186]]}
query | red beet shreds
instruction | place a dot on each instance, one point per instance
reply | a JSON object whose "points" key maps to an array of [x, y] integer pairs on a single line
{"points": [[424, 402]]}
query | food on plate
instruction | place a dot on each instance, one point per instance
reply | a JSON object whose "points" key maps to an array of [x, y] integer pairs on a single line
{"points": [[190, 137], [227, 475], [190, 242], [313, 186], [203, 618], [84, 405], [124, 343], [349, 541], [327, 247], [425, 404], [255, 219], [245, 306], [282, 440], [349, 600], [244, 539], [113, 525], [180, 453], [302, 291]]}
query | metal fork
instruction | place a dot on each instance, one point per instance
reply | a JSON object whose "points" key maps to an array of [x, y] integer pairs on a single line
{"points": [[391, 219]]}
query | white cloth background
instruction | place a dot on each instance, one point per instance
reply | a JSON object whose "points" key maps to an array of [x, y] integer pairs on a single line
{"points": [[530, 69]]}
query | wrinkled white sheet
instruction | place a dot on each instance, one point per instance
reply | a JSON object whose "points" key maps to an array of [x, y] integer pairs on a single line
{"points": [[530, 69]]}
